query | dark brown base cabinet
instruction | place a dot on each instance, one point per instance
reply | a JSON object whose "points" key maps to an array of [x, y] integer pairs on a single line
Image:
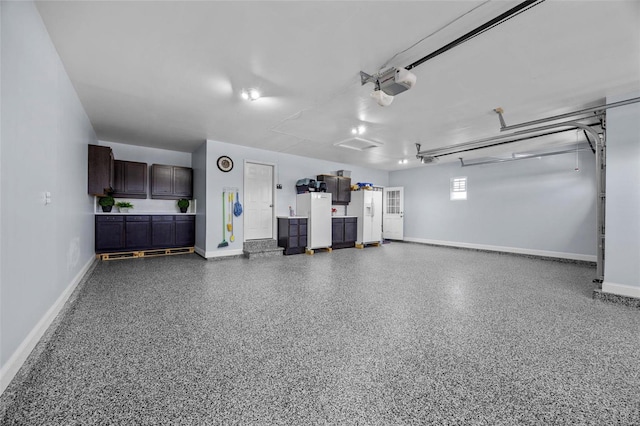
{"points": [[344, 232], [109, 233], [143, 232], [292, 234]]}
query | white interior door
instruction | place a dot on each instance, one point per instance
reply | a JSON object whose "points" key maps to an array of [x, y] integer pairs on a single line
{"points": [[258, 201], [393, 218]]}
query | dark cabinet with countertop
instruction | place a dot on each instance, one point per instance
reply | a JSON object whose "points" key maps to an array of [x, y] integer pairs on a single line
{"points": [[344, 232], [100, 170], [185, 231], [292, 234], [163, 231], [129, 179], [171, 182], [117, 233], [109, 233], [137, 231], [339, 187]]}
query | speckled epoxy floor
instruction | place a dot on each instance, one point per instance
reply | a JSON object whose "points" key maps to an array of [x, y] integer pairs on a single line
{"points": [[398, 334]]}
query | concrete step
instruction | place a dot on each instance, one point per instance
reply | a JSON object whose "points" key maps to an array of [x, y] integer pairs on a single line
{"points": [[261, 248]]}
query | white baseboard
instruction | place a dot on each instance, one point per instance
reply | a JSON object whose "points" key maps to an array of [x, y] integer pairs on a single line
{"points": [[200, 251], [20, 355], [218, 253], [542, 253], [621, 289]]}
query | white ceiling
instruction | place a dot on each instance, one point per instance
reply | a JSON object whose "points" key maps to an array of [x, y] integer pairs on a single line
{"points": [[169, 74]]}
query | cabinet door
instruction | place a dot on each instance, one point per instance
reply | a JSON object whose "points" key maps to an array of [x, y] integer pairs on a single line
{"points": [[350, 229], [332, 184], [302, 233], [138, 232], [183, 182], [129, 179], [344, 191], [163, 232], [337, 230], [185, 231], [135, 181], [109, 234], [100, 170], [161, 181], [118, 178]]}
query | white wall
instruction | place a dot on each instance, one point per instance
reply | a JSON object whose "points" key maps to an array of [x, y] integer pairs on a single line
{"points": [[44, 135], [148, 155], [536, 206], [288, 168], [622, 235], [199, 165]]}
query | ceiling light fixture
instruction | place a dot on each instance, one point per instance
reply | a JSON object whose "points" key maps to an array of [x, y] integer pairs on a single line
{"points": [[250, 95], [358, 130]]}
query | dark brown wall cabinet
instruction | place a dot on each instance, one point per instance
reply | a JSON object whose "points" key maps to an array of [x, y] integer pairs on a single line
{"points": [[100, 170], [292, 234], [129, 179], [116, 233], [171, 182], [344, 232], [339, 187]]}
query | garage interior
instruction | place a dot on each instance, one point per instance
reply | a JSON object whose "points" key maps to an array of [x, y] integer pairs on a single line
{"points": [[517, 304]]}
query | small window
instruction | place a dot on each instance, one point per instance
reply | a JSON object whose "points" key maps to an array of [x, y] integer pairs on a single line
{"points": [[393, 202], [459, 188]]}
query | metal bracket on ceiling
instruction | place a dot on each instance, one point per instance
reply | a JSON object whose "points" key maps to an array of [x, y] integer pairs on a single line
{"points": [[366, 78], [499, 111]]}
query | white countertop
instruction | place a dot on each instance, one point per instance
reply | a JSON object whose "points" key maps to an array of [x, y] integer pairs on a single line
{"points": [[138, 213], [305, 217]]}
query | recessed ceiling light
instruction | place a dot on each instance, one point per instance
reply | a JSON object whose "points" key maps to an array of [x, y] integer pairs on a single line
{"points": [[250, 95], [358, 130], [254, 94]]}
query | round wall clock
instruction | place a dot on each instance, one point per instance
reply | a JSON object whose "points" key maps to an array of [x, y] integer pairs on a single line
{"points": [[225, 163]]}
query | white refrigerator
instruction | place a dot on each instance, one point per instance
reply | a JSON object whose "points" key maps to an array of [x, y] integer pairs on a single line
{"points": [[367, 206], [316, 206]]}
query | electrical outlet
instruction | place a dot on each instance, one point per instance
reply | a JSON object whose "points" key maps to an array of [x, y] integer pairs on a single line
{"points": [[279, 186]]}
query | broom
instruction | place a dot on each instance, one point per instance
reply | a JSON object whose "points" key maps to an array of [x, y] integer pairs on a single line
{"points": [[224, 242]]}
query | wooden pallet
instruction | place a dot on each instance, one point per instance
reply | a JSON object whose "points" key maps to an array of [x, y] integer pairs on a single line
{"points": [[116, 256], [311, 251], [375, 244], [145, 253]]}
